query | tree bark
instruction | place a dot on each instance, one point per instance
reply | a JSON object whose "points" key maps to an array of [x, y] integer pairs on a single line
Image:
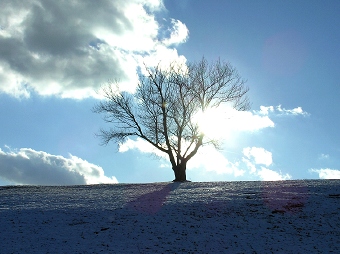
{"points": [[180, 172]]}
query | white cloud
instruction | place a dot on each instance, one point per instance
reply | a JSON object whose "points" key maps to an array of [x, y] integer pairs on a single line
{"points": [[162, 56], [141, 145], [222, 122], [279, 111], [270, 175], [71, 48], [248, 121], [265, 110], [251, 166], [179, 33], [294, 111], [27, 166], [327, 173], [213, 160], [259, 154]]}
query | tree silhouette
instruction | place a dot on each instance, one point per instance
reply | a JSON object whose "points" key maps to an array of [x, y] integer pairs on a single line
{"points": [[162, 109]]}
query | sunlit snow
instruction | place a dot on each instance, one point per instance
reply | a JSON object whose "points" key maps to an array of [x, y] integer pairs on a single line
{"points": [[215, 217]]}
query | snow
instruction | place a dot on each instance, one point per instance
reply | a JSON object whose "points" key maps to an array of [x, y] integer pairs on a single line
{"points": [[215, 217]]}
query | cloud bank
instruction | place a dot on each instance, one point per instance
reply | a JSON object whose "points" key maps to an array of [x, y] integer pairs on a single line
{"points": [[71, 48], [27, 166], [222, 123]]}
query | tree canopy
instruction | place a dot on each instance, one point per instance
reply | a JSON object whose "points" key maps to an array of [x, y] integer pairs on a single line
{"points": [[162, 109]]}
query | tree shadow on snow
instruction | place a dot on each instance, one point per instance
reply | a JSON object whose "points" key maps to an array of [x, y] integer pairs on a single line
{"points": [[152, 202]]}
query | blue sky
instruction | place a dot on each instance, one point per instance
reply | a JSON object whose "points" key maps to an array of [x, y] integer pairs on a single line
{"points": [[54, 56]]}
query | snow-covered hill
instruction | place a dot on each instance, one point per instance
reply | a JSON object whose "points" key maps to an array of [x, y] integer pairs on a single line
{"points": [[215, 217]]}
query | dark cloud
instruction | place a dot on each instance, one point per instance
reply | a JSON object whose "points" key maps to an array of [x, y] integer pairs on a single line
{"points": [[70, 48]]}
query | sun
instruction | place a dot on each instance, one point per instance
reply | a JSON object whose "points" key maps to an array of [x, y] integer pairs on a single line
{"points": [[215, 123]]}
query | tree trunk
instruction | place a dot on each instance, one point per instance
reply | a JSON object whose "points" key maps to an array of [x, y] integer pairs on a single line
{"points": [[180, 172]]}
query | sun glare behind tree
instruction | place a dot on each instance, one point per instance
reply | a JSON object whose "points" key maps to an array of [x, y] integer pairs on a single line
{"points": [[162, 110]]}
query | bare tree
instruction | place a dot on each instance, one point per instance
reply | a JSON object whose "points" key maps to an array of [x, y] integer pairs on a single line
{"points": [[162, 109]]}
